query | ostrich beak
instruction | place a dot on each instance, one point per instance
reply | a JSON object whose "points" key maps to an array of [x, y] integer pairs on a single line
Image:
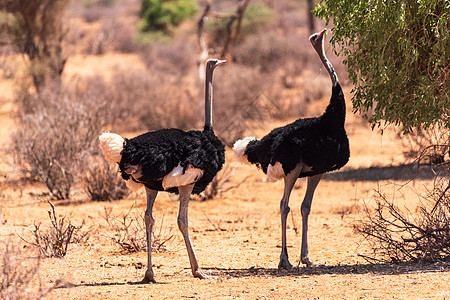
{"points": [[321, 33], [220, 62]]}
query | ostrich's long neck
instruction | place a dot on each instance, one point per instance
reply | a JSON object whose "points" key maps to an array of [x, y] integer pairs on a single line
{"points": [[335, 111], [208, 97], [328, 66]]}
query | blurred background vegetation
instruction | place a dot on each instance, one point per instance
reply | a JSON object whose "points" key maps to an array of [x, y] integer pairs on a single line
{"points": [[60, 114], [399, 78]]}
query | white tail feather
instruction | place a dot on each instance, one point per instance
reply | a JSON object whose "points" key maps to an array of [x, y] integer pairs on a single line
{"points": [[177, 178], [239, 149], [112, 146], [275, 172]]}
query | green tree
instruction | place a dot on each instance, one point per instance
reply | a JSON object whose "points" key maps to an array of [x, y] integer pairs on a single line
{"points": [[398, 57], [163, 14]]}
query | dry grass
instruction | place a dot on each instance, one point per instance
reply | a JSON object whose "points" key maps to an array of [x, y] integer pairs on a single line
{"points": [[128, 232]]}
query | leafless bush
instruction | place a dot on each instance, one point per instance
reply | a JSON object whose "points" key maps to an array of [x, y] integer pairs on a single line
{"points": [[101, 42], [237, 99], [55, 241], [128, 232], [96, 11], [55, 132], [429, 146], [123, 39], [19, 276], [171, 61], [148, 102], [217, 186], [397, 235], [102, 182], [271, 52], [291, 15], [92, 14]]}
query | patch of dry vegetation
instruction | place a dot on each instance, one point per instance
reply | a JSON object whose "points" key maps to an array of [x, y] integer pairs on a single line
{"points": [[54, 240], [19, 276], [128, 232], [398, 235], [101, 182], [57, 131]]}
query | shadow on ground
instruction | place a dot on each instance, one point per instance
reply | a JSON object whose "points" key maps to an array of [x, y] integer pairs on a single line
{"points": [[379, 269], [401, 172]]}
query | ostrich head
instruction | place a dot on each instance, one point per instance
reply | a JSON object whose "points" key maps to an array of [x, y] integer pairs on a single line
{"points": [[212, 63], [317, 40]]}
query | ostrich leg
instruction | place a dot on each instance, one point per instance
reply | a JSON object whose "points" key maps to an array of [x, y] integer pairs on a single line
{"points": [[289, 182], [185, 193], [313, 181], [149, 221]]}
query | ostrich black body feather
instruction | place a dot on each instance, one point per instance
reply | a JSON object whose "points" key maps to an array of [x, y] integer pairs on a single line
{"points": [[321, 143], [159, 152]]}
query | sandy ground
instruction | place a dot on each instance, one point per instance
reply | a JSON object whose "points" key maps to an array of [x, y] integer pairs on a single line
{"points": [[236, 236]]}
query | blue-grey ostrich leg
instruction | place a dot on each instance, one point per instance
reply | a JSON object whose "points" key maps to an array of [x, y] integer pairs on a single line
{"points": [[289, 182], [149, 221], [313, 181], [185, 194]]}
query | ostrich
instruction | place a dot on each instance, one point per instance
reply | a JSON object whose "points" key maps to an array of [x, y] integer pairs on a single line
{"points": [[170, 160], [307, 147]]}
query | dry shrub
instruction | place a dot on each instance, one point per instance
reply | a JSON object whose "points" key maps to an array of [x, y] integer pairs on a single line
{"points": [[101, 42], [112, 35], [113, 28], [217, 186], [292, 15], [397, 235], [54, 241], [128, 232], [270, 52], [148, 102], [102, 181], [244, 98], [92, 14], [171, 60], [237, 99], [55, 133], [427, 146], [19, 276], [96, 11], [123, 40]]}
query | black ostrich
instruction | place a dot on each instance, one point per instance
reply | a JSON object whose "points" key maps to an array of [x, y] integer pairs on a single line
{"points": [[305, 148], [170, 160]]}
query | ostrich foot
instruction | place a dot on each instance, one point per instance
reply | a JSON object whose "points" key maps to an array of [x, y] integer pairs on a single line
{"points": [[148, 278], [307, 262], [200, 275], [284, 264]]}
